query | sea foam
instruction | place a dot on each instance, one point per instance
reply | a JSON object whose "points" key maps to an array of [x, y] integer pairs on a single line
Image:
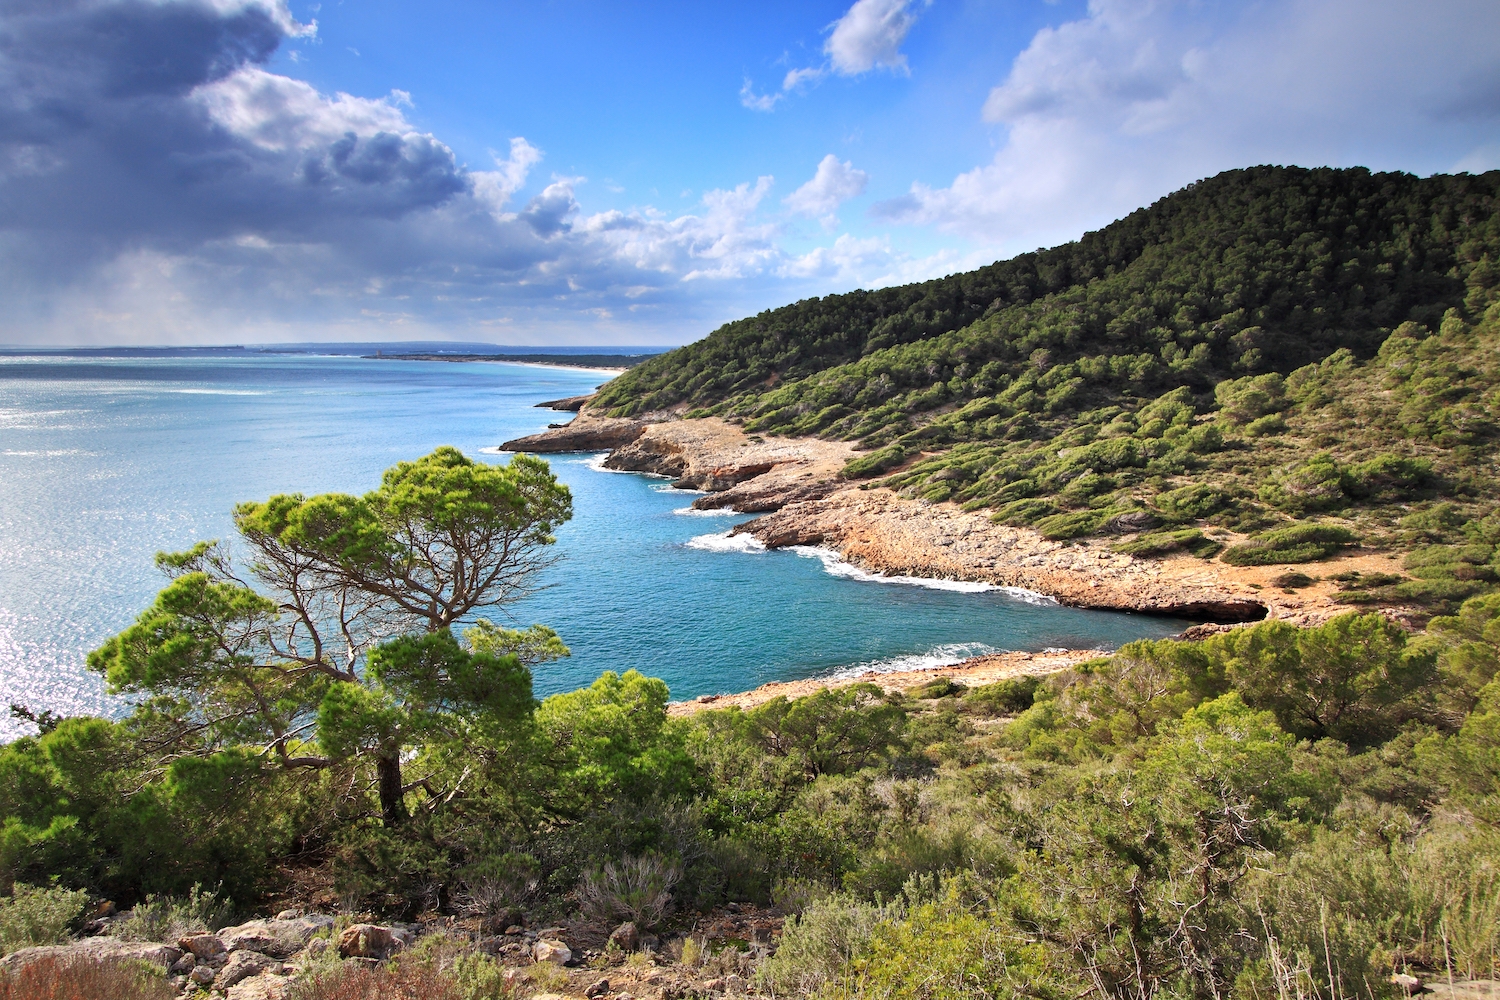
{"points": [[725, 542], [945, 655], [835, 565]]}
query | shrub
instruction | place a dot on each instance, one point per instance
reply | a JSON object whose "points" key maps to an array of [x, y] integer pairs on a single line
{"points": [[1062, 526], [1316, 484], [32, 916], [77, 978], [1299, 543], [639, 889], [1160, 543], [1191, 502], [816, 946], [1292, 581], [166, 918], [1008, 697], [938, 687]]}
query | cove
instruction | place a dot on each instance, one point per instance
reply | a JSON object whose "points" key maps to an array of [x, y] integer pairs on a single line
{"points": [[104, 460]]}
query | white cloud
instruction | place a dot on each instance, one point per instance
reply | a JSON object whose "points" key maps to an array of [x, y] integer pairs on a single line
{"points": [[758, 102], [869, 35], [279, 113], [494, 187], [1139, 97], [833, 184]]}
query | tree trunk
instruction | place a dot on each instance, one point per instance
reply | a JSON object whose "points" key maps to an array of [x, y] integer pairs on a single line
{"points": [[392, 797]]}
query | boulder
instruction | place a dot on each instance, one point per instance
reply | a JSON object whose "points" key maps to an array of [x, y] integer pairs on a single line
{"points": [[368, 941], [183, 965], [243, 965], [598, 989], [202, 945], [97, 948], [626, 937], [267, 986], [546, 950], [279, 937], [202, 975]]}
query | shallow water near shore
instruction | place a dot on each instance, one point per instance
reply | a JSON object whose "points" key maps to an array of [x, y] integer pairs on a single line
{"points": [[106, 460]]}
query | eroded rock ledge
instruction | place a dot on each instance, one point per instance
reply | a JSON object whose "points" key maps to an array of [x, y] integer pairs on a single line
{"points": [[795, 482]]}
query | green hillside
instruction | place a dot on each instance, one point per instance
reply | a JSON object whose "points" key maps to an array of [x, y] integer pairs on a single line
{"points": [[1263, 349]]}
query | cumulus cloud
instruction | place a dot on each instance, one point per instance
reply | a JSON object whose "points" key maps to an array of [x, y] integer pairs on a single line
{"points": [[1139, 97], [833, 184], [867, 37]]}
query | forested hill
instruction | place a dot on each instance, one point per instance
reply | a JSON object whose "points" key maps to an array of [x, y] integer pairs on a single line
{"points": [[1262, 269], [1266, 347]]}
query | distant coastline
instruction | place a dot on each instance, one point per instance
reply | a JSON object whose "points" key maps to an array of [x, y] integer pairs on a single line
{"points": [[607, 362]]}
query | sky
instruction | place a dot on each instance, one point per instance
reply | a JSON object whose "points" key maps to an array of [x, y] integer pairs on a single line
{"points": [[564, 173]]}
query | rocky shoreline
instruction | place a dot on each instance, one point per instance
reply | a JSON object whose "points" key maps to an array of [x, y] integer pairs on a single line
{"points": [[795, 484]]}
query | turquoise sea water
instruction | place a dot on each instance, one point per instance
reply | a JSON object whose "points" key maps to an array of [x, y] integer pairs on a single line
{"points": [[106, 460]]}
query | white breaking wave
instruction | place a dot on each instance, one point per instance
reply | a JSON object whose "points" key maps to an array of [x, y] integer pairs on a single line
{"points": [[713, 512], [945, 655], [835, 565], [596, 462], [669, 488], [725, 542]]}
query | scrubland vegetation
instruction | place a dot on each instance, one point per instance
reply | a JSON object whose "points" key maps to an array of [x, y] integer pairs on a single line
{"points": [[1271, 812]]}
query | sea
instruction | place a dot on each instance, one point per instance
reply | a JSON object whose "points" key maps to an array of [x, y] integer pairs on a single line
{"points": [[108, 457]]}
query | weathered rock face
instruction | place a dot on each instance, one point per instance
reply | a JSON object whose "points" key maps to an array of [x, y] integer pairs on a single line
{"points": [[626, 937], [571, 404], [368, 941], [98, 948], [585, 433], [279, 938], [653, 453], [885, 533], [547, 950], [243, 965], [202, 946]]}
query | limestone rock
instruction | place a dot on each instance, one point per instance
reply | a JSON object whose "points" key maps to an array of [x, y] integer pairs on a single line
{"points": [[243, 965], [97, 948], [585, 433], [279, 938], [626, 937], [267, 986], [368, 941], [548, 950], [202, 945]]}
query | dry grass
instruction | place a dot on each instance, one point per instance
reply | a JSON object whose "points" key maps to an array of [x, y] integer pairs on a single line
{"points": [[81, 978]]}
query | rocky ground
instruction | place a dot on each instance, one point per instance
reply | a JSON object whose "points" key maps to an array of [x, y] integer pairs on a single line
{"points": [[263, 959], [795, 482]]}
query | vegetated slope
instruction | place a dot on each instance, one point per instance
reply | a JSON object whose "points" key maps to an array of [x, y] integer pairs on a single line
{"points": [[1262, 348]]}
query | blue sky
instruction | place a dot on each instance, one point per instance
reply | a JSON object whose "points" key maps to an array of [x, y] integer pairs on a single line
{"points": [[208, 171]]}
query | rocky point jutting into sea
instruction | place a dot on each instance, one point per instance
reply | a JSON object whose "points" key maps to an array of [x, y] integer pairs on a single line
{"points": [[796, 484]]}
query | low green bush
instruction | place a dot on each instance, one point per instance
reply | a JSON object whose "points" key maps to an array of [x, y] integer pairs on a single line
{"points": [[1300, 543], [1160, 543], [31, 915], [166, 918]]}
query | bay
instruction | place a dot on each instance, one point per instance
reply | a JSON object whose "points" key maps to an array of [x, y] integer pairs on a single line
{"points": [[107, 459]]}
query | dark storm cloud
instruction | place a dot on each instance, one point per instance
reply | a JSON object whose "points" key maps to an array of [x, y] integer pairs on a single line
{"points": [[104, 134]]}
